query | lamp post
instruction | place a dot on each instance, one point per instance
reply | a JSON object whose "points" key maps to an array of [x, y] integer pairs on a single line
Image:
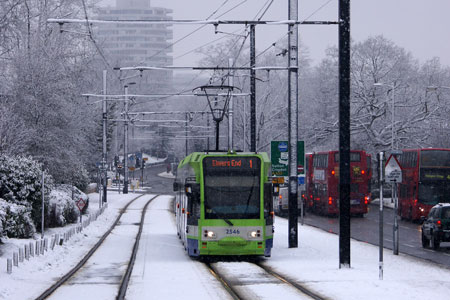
{"points": [[393, 109], [125, 148]]}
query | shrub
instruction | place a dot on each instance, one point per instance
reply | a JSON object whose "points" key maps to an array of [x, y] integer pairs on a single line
{"points": [[16, 220], [63, 209], [20, 184]]}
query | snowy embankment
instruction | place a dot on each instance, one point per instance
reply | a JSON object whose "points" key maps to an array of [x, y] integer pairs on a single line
{"points": [[33, 276], [164, 270]]}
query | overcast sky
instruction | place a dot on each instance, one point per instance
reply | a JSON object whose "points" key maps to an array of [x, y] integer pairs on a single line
{"points": [[419, 26]]}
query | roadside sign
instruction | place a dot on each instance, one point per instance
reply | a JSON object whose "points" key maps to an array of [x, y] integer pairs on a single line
{"points": [[393, 170], [81, 204], [279, 180], [280, 155]]}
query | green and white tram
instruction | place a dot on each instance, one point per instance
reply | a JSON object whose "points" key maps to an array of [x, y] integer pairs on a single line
{"points": [[224, 204]]}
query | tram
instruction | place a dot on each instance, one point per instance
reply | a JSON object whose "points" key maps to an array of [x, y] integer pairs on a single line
{"points": [[224, 204]]}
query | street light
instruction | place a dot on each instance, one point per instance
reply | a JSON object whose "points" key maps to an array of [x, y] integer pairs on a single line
{"points": [[393, 108], [125, 148]]}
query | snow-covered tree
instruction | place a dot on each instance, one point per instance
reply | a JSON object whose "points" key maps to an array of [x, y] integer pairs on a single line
{"points": [[20, 184], [46, 72], [382, 75]]}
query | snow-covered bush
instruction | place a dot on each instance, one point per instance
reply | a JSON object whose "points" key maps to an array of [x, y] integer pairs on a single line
{"points": [[20, 184], [63, 209], [81, 178], [2, 218], [15, 220]]}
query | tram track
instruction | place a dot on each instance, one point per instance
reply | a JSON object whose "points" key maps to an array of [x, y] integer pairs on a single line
{"points": [[241, 286], [126, 277]]}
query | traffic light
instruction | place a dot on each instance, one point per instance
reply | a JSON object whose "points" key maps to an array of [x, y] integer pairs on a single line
{"points": [[138, 162], [116, 161], [143, 164]]}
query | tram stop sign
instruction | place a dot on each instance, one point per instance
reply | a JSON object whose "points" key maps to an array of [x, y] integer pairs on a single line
{"points": [[393, 170]]}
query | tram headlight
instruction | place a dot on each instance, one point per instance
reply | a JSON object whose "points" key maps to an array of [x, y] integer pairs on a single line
{"points": [[254, 234], [209, 234]]}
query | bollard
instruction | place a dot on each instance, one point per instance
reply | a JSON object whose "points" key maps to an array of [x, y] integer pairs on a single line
{"points": [[31, 249], [27, 253], [37, 248], [9, 266], [57, 238], [42, 246], [15, 259], [20, 254], [46, 244], [53, 242]]}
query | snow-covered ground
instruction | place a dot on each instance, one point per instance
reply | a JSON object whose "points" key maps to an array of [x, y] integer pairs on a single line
{"points": [[164, 271]]}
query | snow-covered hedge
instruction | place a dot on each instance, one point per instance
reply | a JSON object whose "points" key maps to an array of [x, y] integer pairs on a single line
{"points": [[20, 184], [15, 220], [21, 198], [63, 207]]}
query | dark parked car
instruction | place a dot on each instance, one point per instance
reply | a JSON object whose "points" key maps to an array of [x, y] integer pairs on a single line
{"points": [[436, 227]]}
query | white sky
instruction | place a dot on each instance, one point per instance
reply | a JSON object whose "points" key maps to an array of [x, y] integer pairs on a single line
{"points": [[417, 25]]}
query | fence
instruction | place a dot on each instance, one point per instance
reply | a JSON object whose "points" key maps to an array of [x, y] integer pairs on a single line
{"points": [[40, 247]]}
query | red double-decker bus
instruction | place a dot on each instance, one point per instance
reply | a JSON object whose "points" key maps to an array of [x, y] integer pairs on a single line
{"points": [[425, 181], [322, 182]]}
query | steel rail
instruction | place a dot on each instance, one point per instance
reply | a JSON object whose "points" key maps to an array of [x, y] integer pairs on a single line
{"points": [[91, 252], [127, 276], [237, 295], [292, 283], [228, 287]]}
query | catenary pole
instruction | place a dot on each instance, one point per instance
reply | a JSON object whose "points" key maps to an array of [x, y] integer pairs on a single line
{"points": [[43, 204], [252, 90], [230, 107], [293, 124], [380, 242], [344, 133], [104, 115], [125, 146]]}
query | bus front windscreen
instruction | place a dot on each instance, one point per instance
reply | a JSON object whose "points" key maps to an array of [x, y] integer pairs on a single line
{"points": [[434, 181], [232, 187], [434, 192]]}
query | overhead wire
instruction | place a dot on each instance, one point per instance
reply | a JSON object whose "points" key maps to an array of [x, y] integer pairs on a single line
{"points": [[92, 37], [199, 28]]}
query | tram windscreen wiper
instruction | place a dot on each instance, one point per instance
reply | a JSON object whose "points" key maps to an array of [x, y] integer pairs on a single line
{"points": [[228, 222]]}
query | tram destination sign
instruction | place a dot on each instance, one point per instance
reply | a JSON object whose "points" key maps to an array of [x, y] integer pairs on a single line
{"points": [[393, 170], [212, 163]]}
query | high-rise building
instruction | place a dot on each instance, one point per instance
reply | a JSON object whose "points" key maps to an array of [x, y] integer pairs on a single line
{"points": [[134, 44]]}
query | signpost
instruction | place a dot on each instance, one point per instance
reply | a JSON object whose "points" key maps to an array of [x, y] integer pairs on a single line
{"points": [[81, 204], [393, 174], [279, 158]]}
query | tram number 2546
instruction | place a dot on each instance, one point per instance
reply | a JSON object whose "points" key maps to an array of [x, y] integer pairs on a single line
{"points": [[232, 231]]}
